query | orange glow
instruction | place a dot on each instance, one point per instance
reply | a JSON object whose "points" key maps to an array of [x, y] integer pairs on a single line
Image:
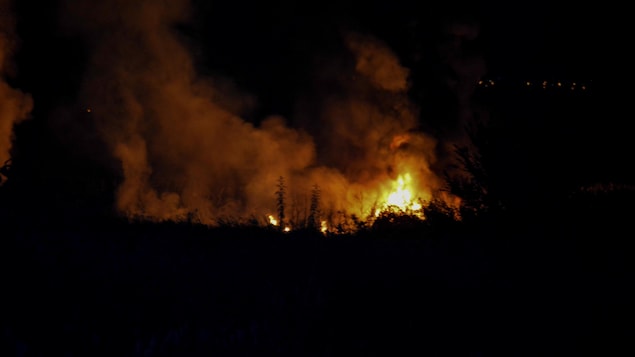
{"points": [[403, 197], [369, 152], [398, 141], [323, 227], [274, 222]]}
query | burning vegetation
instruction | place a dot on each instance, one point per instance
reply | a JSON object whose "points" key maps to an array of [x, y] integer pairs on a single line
{"points": [[187, 154], [182, 147]]}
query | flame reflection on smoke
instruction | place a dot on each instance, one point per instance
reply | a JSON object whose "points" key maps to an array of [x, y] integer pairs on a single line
{"points": [[185, 151]]}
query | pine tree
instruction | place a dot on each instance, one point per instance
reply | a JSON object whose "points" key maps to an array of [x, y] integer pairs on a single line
{"points": [[280, 193], [314, 213]]}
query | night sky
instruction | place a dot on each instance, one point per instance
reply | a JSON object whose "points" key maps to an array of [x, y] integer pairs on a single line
{"points": [[265, 45]]}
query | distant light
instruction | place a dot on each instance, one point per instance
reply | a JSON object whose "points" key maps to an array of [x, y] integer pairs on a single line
{"points": [[480, 82], [88, 110], [574, 84], [583, 87], [544, 83], [572, 88], [559, 84], [528, 83]]}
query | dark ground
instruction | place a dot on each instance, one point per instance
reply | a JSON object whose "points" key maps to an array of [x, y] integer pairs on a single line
{"points": [[509, 287]]}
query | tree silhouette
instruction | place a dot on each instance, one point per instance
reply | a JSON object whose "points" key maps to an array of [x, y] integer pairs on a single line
{"points": [[280, 198], [479, 184], [314, 213]]}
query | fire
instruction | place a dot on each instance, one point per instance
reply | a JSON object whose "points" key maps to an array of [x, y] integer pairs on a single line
{"points": [[402, 196], [274, 222], [323, 227]]}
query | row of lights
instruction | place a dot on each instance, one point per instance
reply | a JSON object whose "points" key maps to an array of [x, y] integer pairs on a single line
{"points": [[544, 84], [486, 83], [558, 84]]}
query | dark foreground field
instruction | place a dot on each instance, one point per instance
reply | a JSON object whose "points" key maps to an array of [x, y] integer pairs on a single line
{"points": [[554, 285]]}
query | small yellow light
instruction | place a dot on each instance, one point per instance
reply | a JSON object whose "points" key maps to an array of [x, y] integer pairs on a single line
{"points": [[559, 84], [88, 110], [528, 83]]}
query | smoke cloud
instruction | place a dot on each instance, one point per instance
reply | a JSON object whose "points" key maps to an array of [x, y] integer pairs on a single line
{"points": [[185, 152], [368, 125], [15, 106]]}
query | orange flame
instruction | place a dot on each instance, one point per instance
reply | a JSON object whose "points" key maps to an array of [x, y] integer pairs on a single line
{"points": [[403, 197], [323, 227]]}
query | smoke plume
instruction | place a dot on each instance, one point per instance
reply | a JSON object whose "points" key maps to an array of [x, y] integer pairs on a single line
{"points": [[368, 127], [14, 105], [185, 152]]}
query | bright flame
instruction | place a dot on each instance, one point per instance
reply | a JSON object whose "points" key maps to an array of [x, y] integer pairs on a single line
{"points": [[401, 196], [323, 227], [274, 222]]}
